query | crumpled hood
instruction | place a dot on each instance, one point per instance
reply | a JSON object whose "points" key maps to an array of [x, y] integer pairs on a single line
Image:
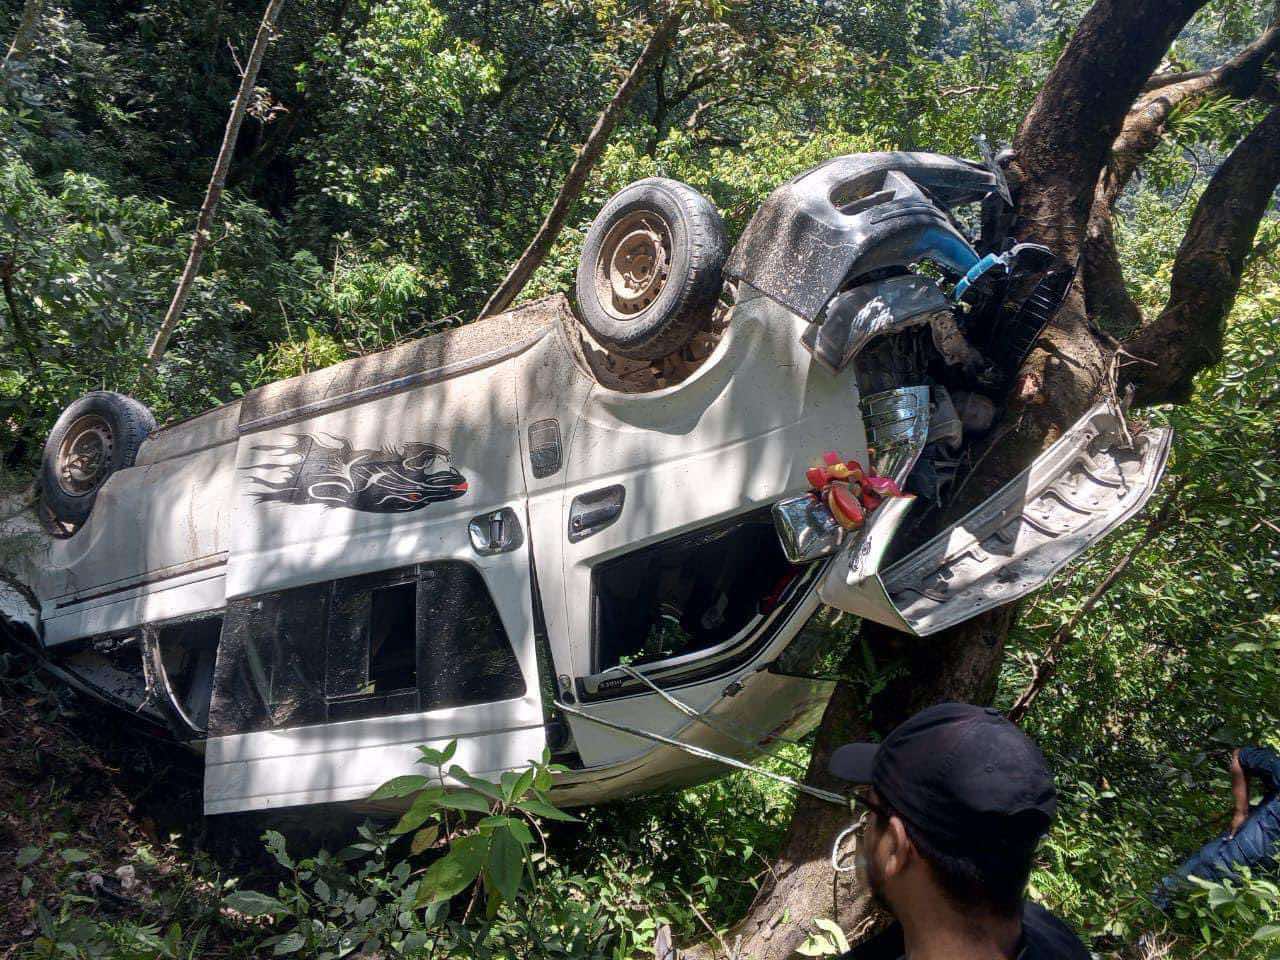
{"points": [[854, 214]]}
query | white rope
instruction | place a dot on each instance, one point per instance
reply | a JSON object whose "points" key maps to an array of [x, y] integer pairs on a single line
{"points": [[701, 718], [705, 754]]}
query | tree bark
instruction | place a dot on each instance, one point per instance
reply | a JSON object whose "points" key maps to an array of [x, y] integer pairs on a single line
{"points": [[959, 664], [24, 37], [576, 178], [1187, 336], [217, 182], [1106, 295]]}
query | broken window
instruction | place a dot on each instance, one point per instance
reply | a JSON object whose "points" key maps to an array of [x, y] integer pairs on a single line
{"points": [[381, 644], [371, 649], [690, 594], [187, 650]]}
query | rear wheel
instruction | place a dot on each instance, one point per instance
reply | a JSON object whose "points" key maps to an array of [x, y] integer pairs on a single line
{"points": [[96, 436], [651, 267]]}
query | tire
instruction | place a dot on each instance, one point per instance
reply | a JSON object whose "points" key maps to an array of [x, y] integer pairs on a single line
{"points": [[651, 311], [96, 436]]}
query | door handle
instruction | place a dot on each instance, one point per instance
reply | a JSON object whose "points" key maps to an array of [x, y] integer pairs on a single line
{"points": [[592, 512], [496, 532]]}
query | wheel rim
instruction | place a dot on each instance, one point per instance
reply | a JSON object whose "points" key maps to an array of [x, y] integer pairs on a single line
{"points": [[84, 458], [633, 265]]}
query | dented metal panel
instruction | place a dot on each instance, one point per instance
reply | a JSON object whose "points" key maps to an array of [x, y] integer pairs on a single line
{"points": [[852, 215], [871, 310], [1079, 490]]}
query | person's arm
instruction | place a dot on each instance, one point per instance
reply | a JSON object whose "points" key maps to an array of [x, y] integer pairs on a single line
{"points": [[1240, 791]]}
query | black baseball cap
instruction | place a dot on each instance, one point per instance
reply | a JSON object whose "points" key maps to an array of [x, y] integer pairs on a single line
{"points": [[962, 775]]}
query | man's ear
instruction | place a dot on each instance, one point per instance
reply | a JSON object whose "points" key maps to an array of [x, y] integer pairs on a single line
{"points": [[898, 847]]}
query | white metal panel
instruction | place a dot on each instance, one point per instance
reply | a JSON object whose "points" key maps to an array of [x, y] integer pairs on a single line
{"points": [[153, 547], [347, 761], [149, 521], [280, 544], [551, 385], [277, 545], [767, 707], [738, 434], [196, 592]]}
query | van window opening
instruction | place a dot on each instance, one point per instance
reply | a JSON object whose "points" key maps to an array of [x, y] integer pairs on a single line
{"points": [[688, 594], [392, 639]]}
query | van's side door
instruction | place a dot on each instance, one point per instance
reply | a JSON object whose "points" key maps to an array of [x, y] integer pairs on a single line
{"points": [[379, 596]]}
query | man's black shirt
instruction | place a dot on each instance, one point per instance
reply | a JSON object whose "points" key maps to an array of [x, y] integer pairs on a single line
{"points": [[1044, 937]]}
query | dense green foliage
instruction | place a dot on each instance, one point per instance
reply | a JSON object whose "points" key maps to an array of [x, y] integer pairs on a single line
{"points": [[400, 154]]}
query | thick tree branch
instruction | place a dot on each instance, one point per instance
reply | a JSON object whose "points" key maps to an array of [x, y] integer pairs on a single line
{"points": [[1187, 336], [1106, 297], [1066, 137], [1058, 155]]}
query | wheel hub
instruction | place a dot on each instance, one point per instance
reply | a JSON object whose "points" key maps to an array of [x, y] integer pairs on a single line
{"points": [[633, 265], [84, 458]]}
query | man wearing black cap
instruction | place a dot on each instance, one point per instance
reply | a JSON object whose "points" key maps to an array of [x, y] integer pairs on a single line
{"points": [[959, 799]]}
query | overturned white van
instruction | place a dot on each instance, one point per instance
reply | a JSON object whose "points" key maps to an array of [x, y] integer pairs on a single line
{"points": [[548, 529]]}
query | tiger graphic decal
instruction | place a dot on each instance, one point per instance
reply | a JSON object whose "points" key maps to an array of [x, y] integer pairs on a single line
{"points": [[391, 480]]}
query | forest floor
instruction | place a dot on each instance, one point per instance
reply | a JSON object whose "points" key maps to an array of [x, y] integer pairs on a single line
{"points": [[97, 820]]}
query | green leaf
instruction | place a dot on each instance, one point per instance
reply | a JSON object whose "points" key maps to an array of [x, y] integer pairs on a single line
{"points": [[289, 943], [277, 845], [72, 855], [438, 758], [424, 806], [475, 783], [506, 864], [451, 874], [27, 856], [817, 945], [521, 831], [424, 838], [400, 787], [465, 800], [832, 930], [540, 809], [252, 903], [523, 784], [1270, 932]]}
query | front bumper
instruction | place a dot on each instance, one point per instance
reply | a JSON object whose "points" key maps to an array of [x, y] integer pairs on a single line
{"points": [[1076, 492]]}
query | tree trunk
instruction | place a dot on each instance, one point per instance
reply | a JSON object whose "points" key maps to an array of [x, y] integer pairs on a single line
{"points": [[217, 182], [24, 37], [576, 178]]}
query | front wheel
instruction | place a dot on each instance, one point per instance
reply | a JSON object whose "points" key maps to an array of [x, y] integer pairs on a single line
{"points": [[97, 435], [650, 272]]}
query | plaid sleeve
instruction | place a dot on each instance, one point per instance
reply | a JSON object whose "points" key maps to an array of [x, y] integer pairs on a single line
{"points": [[1261, 762]]}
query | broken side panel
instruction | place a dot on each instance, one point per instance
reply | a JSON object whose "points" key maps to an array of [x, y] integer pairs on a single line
{"points": [[1076, 492]]}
